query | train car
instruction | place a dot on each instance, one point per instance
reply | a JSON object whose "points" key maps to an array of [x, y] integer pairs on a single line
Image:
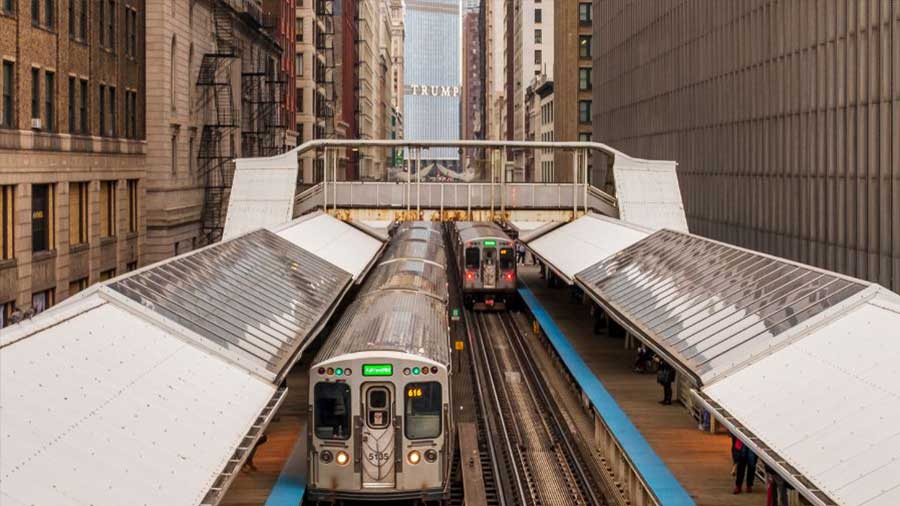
{"points": [[486, 258], [380, 420]]}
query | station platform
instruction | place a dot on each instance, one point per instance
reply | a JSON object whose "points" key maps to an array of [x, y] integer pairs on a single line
{"points": [[700, 461], [280, 475]]}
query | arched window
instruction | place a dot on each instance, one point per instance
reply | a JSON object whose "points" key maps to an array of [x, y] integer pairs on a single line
{"points": [[172, 74]]}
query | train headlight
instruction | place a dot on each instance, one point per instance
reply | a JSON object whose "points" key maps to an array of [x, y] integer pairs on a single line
{"points": [[431, 455], [342, 458], [414, 457], [326, 456]]}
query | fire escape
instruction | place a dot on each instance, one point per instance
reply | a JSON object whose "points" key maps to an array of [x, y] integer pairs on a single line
{"points": [[325, 73], [264, 119], [217, 147]]}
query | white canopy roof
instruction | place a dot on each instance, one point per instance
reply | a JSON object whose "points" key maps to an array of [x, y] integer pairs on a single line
{"points": [[827, 406], [334, 241], [647, 193], [571, 248], [262, 194], [100, 406]]}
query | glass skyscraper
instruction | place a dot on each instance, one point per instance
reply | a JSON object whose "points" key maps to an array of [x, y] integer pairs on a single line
{"points": [[432, 87]]}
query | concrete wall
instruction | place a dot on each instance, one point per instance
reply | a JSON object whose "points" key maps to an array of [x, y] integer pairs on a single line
{"points": [[784, 117]]}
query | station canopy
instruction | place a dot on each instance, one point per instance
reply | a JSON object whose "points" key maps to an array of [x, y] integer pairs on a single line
{"points": [[709, 306], [570, 248], [100, 406], [157, 384], [349, 245], [825, 408], [256, 300], [798, 362]]}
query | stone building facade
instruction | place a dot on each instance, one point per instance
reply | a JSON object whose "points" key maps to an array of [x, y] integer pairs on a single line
{"points": [[573, 102], [72, 149], [181, 37]]}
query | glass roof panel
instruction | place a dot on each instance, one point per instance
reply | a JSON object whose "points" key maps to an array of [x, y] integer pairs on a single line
{"points": [[710, 305], [258, 296]]}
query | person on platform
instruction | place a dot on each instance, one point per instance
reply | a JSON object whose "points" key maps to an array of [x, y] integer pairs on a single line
{"points": [[520, 253], [745, 464], [665, 376]]}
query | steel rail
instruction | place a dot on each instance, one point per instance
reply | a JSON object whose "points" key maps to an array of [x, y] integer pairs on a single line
{"points": [[526, 362], [477, 341], [482, 389]]}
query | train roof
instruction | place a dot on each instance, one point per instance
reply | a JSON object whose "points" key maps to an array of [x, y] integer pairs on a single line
{"points": [[403, 247], [473, 231], [400, 321], [415, 275]]}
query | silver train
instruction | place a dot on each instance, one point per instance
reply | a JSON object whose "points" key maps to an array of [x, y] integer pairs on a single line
{"points": [[380, 423], [486, 258]]}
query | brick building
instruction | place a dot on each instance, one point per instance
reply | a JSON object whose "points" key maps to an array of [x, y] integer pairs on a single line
{"points": [[573, 97], [72, 164]]}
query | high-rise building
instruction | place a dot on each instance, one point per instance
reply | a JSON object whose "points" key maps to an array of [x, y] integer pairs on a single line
{"points": [[280, 16], [213, 68], [473, 71], [72, 150], [432, 77], [532, 57], [783, 117], [573, 79]]}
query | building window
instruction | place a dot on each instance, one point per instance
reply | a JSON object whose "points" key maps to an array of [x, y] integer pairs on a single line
{"points": [[72, 105], [78, 213], [111, 24], [102, 22], [584, 137], [172, 74], [107, 275], [133, 205], [7, 119], [300, 134], [538, 36], [538, 57], [8, 7], [50, 13], [191, 155], [42, 217], [35, 12], [299, 30], [584, 111], [538, 16], [35, 93], [585, 16], [584, 46], [131, 32], [6, 311], [49, 99], [585, 79], [7, 227], [102, 112], [72, 18], [107, 209], [40, 301], [299, 64], [82, 20], [300, 99], [131, 266], [77, 286], [83, 107], [113, 106], [174, 153]]}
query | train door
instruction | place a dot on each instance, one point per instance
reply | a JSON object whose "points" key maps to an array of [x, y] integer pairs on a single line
{"points": [[378, 436], [489, 268]]}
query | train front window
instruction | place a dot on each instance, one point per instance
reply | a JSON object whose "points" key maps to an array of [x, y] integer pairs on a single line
{"points": [[490, 256], [332, 410], [423, 410], [507, 259], [473, 258]]}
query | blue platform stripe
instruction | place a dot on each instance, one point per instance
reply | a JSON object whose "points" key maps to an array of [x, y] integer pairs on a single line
{"points": [[291, 484], [654, 471]]}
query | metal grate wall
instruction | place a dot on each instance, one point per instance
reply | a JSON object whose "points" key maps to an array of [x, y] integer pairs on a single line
{"points": [[784, 117]]}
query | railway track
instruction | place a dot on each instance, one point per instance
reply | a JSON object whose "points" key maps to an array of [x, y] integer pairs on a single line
{"points": [[539, 459]]}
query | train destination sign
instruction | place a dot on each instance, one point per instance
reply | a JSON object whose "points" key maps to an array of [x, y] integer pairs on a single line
{"points": [[378, 370]]}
